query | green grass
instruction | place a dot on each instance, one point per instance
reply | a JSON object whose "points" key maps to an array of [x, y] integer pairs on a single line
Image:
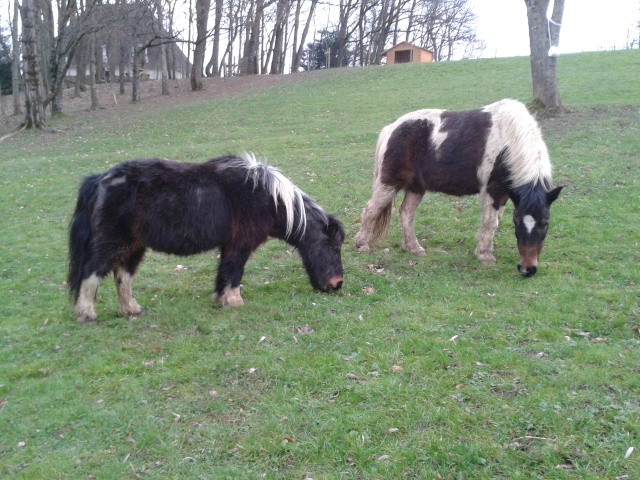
{"points": [[521, 392]]}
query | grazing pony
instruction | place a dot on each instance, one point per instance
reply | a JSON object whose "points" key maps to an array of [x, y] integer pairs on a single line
{"points": [[234, 203], [496, 151]]}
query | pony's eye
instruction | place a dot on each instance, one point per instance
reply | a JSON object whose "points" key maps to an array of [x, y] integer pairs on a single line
{"points": [[544, 223]]}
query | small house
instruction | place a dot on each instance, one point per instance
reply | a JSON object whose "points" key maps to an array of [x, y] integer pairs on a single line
{"points": [[405, 52]]}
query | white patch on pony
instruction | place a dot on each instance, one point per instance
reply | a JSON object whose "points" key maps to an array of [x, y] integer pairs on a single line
{"points": [[529, 223], [433, 115], [230, 297], [83, 308], [514, 128], [116, 180], [280, 187], [128, 307]]}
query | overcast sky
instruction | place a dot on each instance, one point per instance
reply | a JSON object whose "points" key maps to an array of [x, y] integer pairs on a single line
{"points": [[587, 25]]}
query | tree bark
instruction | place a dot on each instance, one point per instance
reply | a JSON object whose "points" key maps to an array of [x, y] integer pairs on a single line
{"points": [[297, 59], [544, 60], [15, 66], [213, 69], [163, 51], [92, 72], [34, 111], [202, 17]]}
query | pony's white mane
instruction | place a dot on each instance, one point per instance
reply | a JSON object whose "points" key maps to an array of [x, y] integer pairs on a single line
{"points": [[515, 128], [280, 188]]}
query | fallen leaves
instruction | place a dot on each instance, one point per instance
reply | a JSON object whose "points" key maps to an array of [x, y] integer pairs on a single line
{"points": [[306, 330]]}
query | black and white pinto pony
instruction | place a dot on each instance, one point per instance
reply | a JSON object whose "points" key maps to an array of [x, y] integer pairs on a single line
{"points": [[496, 151], [234, 203]]}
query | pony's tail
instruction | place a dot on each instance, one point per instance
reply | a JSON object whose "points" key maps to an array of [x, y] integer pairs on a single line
{"points": [[382, 221], [80, 236]]}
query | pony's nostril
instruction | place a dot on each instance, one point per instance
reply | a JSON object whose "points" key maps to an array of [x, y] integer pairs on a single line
{"points": [[527, 272], [338, 285]]}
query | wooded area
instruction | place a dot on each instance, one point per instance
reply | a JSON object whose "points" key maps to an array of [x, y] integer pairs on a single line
{"points": [[79, 43], [76, 43]]}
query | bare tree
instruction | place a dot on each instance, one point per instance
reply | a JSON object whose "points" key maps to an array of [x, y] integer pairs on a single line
{"points": [[202, 18], [15, 60], [33, 86], [213, 69], [544, 37], [163, 50], [298, 41]]}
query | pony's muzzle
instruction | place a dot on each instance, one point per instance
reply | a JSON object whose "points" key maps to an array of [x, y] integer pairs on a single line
{"points": [[528, 265], [335, 283], [527, 272]]}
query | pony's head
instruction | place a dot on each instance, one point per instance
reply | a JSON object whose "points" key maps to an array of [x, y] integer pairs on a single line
{"points": [[320, 250], [531, 218]]}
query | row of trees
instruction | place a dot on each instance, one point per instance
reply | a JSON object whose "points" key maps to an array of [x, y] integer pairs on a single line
{"points": [[111, 40]]}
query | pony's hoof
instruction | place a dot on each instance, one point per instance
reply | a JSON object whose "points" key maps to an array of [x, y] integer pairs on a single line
{"points": [[87, 320], [136, 314], [416, 250], [488, 260], [230, 298]]}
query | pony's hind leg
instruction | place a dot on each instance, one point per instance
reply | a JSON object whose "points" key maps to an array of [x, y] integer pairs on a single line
{"points": [[375, 216], [407, 214], [123, 275], [492, 211], [84, 309]]}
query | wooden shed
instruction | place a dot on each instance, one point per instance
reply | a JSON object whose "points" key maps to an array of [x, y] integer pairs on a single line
{"points": [[405, 52]]}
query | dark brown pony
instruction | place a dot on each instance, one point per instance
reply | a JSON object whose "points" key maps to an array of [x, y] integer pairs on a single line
{"points": [[234, 203], [496, 151]]}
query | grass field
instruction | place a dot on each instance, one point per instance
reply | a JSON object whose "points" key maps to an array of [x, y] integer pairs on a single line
{"points": [[434, 367]]}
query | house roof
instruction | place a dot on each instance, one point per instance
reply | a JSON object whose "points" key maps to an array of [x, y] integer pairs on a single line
{"points": [[405, 45]]}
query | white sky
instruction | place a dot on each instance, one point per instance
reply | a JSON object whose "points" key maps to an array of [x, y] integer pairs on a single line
{"points": [[587, 25]]}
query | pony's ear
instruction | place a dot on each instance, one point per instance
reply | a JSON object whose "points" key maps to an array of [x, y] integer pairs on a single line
{"points": [[333, 227], [552, 196]]}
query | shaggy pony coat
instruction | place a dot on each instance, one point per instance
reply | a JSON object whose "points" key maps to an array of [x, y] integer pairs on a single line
{"points": [[231, 203], [496, 151]]}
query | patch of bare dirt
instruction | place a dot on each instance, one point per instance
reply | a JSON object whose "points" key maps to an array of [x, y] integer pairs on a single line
{"points": [[179, 91], [112, 102]]}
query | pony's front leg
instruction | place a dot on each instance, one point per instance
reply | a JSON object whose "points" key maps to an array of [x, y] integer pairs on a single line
{"points": [[128, 307], [488, 226], [230, 271], [83, 308], [407, 214]]}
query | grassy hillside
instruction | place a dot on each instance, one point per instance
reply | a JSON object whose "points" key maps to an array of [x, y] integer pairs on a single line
{"points": [[434, 367]]}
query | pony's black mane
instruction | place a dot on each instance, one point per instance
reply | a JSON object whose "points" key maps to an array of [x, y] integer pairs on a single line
{"points": [[531, 195]]}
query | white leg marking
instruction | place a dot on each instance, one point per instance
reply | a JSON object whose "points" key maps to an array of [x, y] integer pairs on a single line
{"points": [[128, 307], [230, 297], [529, 222], [407, 215], [488, 226], [83, 308]]}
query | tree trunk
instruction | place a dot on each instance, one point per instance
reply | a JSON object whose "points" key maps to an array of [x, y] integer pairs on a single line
{"points": [[202, 17], [15, 66], [138, 54], [282, 12], [34, 114], [213, 69], [544, 34], [92, 72], [163, 51], [297, 59]]}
